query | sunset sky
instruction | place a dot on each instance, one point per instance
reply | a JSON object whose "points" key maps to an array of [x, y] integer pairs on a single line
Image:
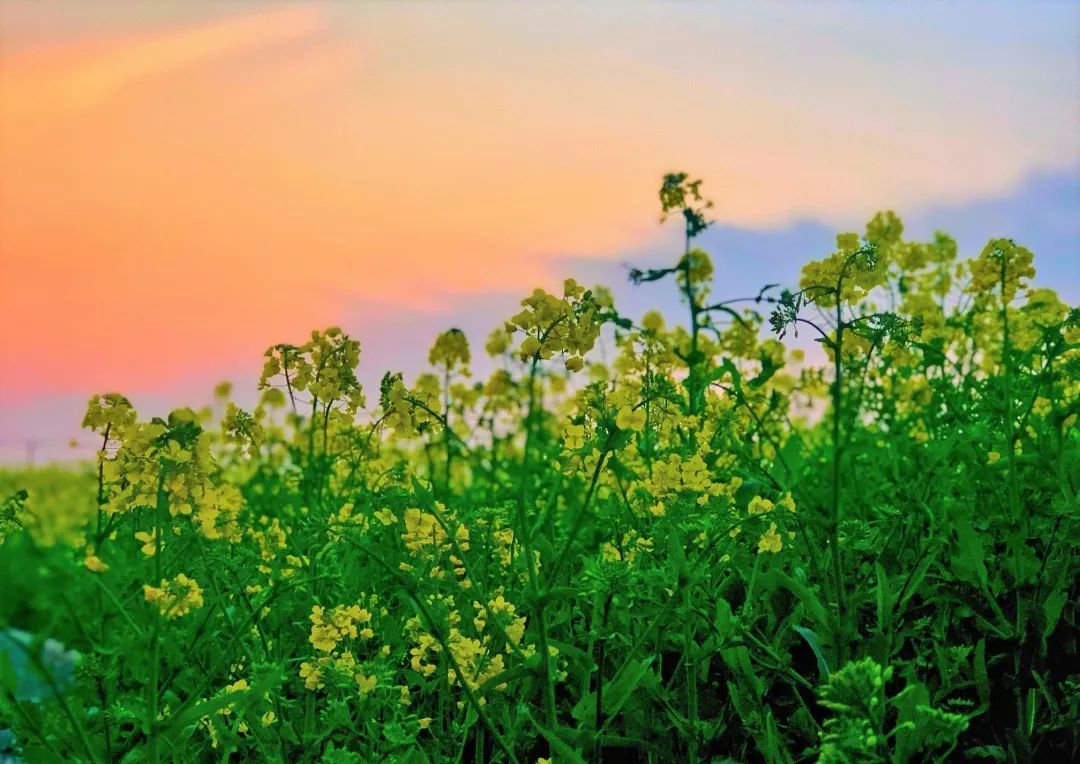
{"points": [[183, 184]]}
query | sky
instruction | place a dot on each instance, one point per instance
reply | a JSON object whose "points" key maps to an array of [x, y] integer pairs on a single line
{"points": [[183, 184]]}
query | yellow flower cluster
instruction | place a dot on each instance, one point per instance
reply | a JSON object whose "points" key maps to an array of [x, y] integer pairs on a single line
{"points": [[171, 457], [270, 538], [498, 342], [110, 413], [770, 540], [175, 598], [345, 519], [450, 351], [418, 654], [854, 268], [332, 633], [473, 660], [629, 547], [884, 231], [341, 623], [408, 410], [570, 324], [312, 673], [677, 474], [630, 418], [423, 530], [695, 271], [472, 657], [325, 366], [504, 613], [573, 436], [243, 429], [1001, 267]]}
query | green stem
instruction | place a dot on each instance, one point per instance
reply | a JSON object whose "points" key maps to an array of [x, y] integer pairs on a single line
{"points": [[153, 753], [841, 635]]}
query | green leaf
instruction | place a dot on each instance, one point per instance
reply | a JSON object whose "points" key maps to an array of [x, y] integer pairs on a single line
{"points": [[624, 685], [723, 617], [676, 551], [792, 454], [811, 638], [884, 600], [1052, 609], [616, 691], [968, 560], [910, 735], [916, 579], [816, 611], [771, 744]]}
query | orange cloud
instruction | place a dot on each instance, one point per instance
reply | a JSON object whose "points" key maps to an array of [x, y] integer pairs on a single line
{"points": [[196, 214], [75, 77]]}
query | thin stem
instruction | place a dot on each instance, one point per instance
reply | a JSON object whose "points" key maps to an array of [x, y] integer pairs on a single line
{"points": [[153, 752], [834, 520]]}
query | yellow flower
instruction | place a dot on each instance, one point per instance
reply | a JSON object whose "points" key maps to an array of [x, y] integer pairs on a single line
{"points": [[175, 453], [529, 346], [425, 722], [312, 676], [94, 563], [268, 718], [574, 363], [631, 419], [609, 552], [148, 541], [847, 242], [450, 350], [174, 598], [498, 342], [992, 457], [770, 541], [1001, 268], [653, 321], [574, 437], [366, 683], [759, 505], [386, 517], [110, 412]]}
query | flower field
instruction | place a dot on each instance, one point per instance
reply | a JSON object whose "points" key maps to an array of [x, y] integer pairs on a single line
{"points": [[712, 548]]}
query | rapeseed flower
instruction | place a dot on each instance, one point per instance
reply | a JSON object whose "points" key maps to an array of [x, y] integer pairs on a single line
{"points": [[175, 598], [770, 541]]}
